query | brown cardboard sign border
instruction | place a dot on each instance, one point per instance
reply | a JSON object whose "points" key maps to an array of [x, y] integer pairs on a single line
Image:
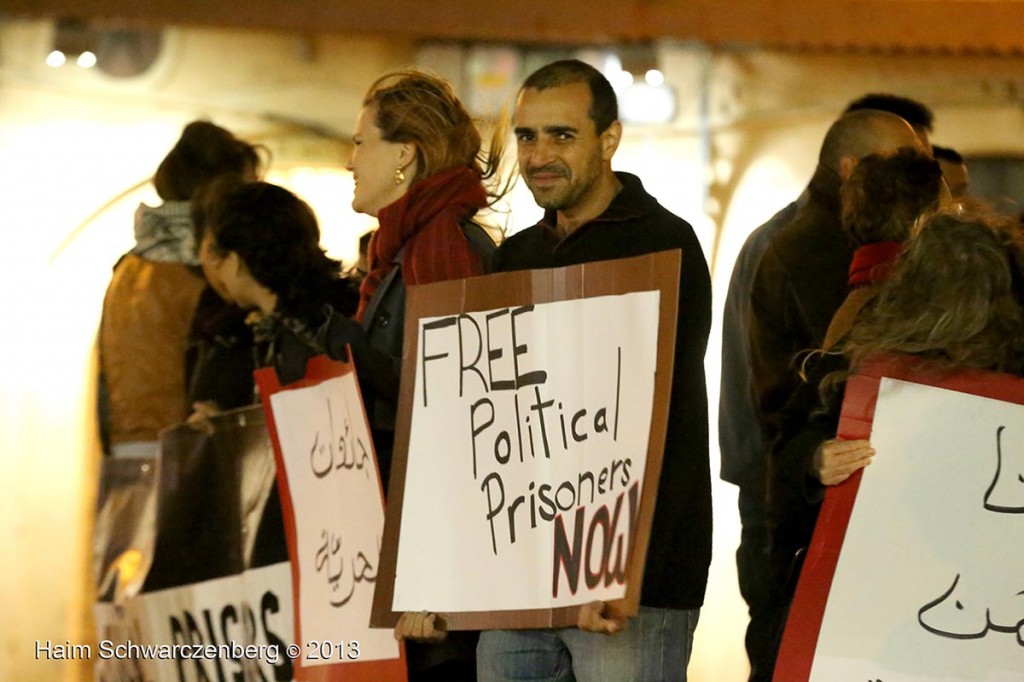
{"points": [[658, 271]]}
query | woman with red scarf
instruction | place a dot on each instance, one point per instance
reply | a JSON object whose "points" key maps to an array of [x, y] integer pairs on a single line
{"points": [[418, 167]]}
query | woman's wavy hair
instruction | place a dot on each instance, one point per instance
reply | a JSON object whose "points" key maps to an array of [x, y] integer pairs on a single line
{"points": [[413, 106], [204, 152], [955, 295], [886, 193], [276, 235]]}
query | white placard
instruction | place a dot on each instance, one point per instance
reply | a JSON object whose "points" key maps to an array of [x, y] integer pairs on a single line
{"points": [[227, 628], [339, 514], [524, 421], [930, 580]]}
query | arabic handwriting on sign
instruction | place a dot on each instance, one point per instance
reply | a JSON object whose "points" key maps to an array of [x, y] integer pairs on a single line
{"points": [[329, 556], [331, 561], [321, 459], [348, 451], [1006, 494], [956, 616]]}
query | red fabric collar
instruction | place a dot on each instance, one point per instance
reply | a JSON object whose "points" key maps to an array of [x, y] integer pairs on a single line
{"points": [[427, 215], [872, 263]]}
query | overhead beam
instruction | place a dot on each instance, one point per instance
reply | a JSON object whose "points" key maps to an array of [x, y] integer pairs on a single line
{"points": [[931, 25]]}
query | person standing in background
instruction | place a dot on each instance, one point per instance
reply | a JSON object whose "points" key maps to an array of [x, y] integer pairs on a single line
{"points": [[742, 442], [153, 293]]}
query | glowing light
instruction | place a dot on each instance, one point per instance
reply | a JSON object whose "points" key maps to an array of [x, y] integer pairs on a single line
{"points": [[55, 59], [623, 79], [654, 78], [87, 60], [642, 103]]}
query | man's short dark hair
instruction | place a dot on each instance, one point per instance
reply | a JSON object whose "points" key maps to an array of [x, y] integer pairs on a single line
{"points": [[604, 107], [947, 154], [913, 112]]}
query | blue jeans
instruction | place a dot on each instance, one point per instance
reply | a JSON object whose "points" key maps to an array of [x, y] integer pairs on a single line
{"points": [[654, 647]]}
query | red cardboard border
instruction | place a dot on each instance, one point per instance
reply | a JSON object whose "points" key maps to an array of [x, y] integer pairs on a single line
{"points": [[319, 369], [800, 639]]}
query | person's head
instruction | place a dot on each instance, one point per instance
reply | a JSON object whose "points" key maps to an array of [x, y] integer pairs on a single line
{"points": [[411, 127], [919, 116], [259, 238], [862, 133], [567, 130], [955, 295], [954, 170], [204, 152], [886, 193]]}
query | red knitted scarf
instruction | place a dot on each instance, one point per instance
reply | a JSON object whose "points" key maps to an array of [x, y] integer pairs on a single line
{"points": [[425, 220], [872, 263]]}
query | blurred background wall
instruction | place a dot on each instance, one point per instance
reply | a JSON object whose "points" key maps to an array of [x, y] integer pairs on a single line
{"points": [[723, 132]]}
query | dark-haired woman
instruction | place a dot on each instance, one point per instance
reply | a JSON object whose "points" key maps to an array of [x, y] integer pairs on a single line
{"points": [[261, 251]]}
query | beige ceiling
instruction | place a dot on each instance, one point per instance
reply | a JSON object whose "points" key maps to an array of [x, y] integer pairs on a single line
{"points": [[973, 26]]}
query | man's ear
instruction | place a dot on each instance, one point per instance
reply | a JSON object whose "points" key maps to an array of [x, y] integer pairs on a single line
{"points": [[846, 165], [610, 140]]}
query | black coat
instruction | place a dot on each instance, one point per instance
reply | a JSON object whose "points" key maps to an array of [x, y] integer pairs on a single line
{"points": [[800, 283], [635, 224]]}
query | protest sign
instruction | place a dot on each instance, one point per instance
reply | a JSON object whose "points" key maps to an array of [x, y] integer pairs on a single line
{"points": [[216, 604], [914, 573], [531, 426], [334, 517]]}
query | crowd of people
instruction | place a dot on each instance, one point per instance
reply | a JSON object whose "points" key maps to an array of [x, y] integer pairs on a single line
{"points": [[883, 252]]}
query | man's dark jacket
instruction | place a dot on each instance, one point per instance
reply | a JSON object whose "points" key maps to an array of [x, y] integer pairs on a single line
{"points": [[800, 283], [635, 224]]}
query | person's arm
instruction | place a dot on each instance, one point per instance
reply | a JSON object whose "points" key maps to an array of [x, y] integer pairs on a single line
{"points": [[376, 369], [776, 336]]}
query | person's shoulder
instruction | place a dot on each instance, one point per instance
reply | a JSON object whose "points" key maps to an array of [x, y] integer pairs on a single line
{"points": [[648, 210], [812, 223], [527, 235], [525, 249], [762, 235]]}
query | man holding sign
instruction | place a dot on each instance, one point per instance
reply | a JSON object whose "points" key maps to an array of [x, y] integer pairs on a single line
{"points": [[567, 131]]}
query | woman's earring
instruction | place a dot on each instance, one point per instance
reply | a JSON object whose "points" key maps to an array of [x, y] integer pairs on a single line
{"points": [[399, 175]]}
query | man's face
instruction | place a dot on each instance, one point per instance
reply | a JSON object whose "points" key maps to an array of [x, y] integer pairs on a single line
{"points": [[560, 153]]}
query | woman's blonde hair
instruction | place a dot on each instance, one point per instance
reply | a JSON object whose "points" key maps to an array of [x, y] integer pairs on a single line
{"points": [[413, 106]]}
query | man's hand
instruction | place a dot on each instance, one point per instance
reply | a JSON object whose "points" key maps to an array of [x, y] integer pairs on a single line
{"points": [[598, 616], [200, 417], [420, 626], [835, 460]]}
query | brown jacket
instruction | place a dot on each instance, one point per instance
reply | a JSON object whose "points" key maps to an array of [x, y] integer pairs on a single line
{"points": [[146, 316]]}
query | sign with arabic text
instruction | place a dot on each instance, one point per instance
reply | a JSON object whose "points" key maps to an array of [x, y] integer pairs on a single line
{"points": [[914, 572], [334, 516]]}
